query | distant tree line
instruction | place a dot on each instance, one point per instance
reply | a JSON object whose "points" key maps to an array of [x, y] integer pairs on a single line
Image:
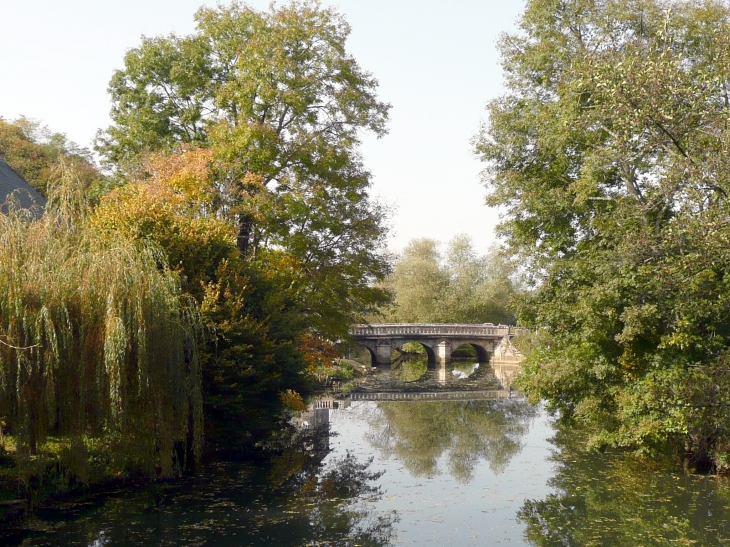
{"points": [[457, 287]]}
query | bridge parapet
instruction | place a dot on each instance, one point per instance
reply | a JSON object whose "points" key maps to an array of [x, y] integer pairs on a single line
{"points": [[425, 329]]}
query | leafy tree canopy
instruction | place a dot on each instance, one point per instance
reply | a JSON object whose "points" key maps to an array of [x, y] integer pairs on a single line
{"points": [[462, 288], [34, 151], [277, 99], [252, 319], [609, 156]]}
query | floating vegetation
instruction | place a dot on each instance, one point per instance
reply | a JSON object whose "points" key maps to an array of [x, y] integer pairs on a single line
{"points": [[292, 494]]}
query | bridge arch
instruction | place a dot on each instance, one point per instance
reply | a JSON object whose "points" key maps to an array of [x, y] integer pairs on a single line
{"points": [[398, 343], [483, 353], [373, 356]]}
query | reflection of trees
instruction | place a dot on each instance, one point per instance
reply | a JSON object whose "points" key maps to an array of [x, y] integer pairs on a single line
{"points": [[605, 499], [409, 368], [337, 503], [419, 433], [333, 501], [294, 499]]}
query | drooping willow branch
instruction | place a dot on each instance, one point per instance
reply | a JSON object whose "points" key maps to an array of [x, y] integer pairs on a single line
{"points": [[19, 348]]}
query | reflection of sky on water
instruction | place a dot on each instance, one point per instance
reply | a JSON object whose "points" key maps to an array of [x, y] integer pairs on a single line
{"points": [[464, 371], [441, 510]]}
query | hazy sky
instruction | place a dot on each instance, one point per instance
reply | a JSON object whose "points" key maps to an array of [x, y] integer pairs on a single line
{"points": [[436, 61]]}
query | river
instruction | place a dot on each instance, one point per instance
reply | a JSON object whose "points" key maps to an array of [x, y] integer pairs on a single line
{"points": [[411, 472]]}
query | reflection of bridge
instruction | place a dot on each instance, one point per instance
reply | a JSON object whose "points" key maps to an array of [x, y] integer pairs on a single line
{"points": [[438, 340], [471, 395]]}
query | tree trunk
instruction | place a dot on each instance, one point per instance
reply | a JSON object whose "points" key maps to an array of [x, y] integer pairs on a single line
{"points": [[245, 227]]}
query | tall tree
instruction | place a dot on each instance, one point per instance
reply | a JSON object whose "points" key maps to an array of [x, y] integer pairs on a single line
{"points": [[460, 288], [280, 102], [608, 154], [481, 288], [418, 283]]}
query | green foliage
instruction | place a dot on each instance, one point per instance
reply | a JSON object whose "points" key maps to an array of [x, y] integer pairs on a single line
{"points": [[282, 106], [465, 288], [248, 308], [253, 355], [97, 346], [337, 371], [417, 283], [609, 156], [34, 152]]}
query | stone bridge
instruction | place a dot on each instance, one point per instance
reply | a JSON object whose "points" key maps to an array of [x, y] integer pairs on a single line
{"points": [[439, 340]]}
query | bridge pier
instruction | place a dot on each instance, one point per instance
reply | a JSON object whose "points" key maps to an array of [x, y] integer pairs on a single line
{"points": [[443, 353], [383, 353]]}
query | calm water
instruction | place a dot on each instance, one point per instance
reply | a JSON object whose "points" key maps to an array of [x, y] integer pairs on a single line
{"points": [[453, 472], [456, 472]]}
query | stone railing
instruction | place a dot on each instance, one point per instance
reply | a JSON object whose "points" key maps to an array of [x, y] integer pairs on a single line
{"points": [[434, 395], [425, 329]]}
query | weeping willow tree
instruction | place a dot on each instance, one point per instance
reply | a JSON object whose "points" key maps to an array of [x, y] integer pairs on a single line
{"points": [[97, 344]]}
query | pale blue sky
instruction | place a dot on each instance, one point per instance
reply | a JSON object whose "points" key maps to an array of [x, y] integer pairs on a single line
{"points": [[436, 61]]}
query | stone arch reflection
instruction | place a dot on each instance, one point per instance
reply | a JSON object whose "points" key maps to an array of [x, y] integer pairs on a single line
{"points": [[415, 349], [469, 350], [412, 361]]}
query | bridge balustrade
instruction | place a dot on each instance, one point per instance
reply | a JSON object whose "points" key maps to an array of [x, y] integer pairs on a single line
{"points": [[429, 328]]}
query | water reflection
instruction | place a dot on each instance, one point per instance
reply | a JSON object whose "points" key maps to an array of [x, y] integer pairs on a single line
{"points": [[463, 433], [463, 370], [505, 373], [605, 499], [413, 368], [411, 372], [409, 369], [290, 499], [447, 475]]}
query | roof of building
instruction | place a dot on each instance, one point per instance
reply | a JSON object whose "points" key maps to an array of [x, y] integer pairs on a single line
{"points": [[12, 184]]}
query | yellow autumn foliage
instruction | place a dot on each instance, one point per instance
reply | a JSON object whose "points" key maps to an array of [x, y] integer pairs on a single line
{"points": [[187, 172], [169, 208], [292, 400]]}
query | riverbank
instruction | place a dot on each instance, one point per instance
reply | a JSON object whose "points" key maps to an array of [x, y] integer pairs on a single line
{"points": [[28, 482]]}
